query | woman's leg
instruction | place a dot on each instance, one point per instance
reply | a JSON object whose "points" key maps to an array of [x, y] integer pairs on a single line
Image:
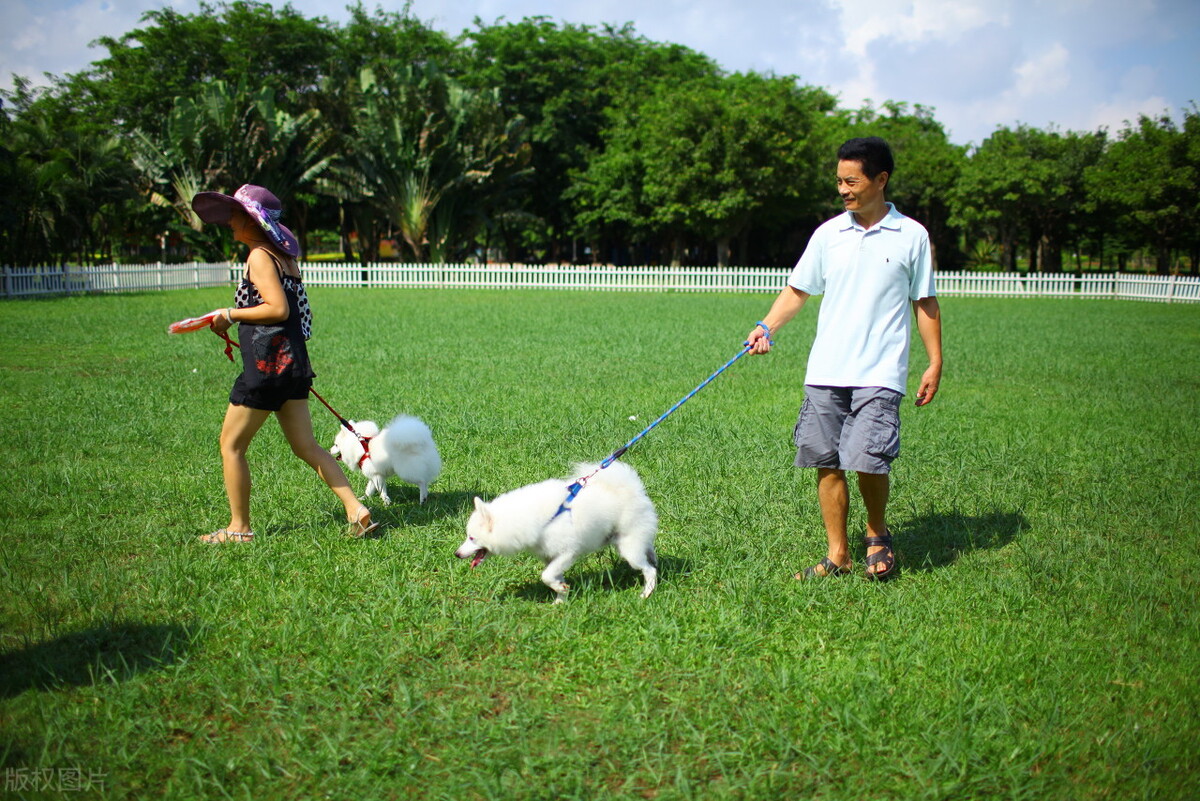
{"points": [[240, 426], [296, 422]]}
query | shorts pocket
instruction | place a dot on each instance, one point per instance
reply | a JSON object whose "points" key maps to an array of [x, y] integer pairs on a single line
{"points": [[882, 430], [806, 411]]}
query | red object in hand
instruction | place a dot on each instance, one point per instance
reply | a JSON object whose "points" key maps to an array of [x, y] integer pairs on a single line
{"points": [[193, 323]]}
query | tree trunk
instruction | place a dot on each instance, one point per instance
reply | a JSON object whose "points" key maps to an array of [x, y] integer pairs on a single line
{"points": [[1051, 256], [1009, 255], [1162, 260], [723, 252], [676, 251]]}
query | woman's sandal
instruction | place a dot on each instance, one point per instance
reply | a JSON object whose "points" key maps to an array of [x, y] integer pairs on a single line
{"points": [[831, 569], [358, 529], [221, 536], [886, 557]]}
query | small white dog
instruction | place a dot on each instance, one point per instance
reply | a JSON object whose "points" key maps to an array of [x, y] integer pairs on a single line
{"points": [[404, 449], [611, 509]]}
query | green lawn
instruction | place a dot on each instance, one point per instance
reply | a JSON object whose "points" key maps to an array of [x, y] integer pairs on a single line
{"points": [[1041, 642]]}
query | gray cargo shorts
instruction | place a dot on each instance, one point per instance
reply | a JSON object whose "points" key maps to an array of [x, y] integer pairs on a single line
{"points": [[848, 428]]}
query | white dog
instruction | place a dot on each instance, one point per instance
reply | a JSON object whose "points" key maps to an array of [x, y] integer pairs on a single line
{"points": [[404, 449], [611, 509]]}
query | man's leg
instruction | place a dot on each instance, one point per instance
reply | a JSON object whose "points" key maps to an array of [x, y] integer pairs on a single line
{"points": [[874, 488], [833, 495]]}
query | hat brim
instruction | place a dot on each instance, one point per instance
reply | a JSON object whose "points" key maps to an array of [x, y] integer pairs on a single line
{"points": [[214, 207]]}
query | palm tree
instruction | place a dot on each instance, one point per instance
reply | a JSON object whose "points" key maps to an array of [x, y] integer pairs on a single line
{"points": [[227, 136], [431, 155]]}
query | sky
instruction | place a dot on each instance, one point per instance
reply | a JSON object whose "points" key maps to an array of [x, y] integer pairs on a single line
{"points": [[1069, 65]]}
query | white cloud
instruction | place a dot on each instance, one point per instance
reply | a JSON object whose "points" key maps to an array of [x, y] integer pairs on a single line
{"points": [[979, 63], [920, 21], [1044, 74], [54, 36], [1115, 115]]}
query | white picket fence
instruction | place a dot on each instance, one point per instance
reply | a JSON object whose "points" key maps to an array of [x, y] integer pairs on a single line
{"points": [[32, 281], [547, 276], [24, 282], [1123, 286]]}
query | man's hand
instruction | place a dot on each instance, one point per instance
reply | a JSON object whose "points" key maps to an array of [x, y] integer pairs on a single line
{"points": [[758, 340], [929, 385]]}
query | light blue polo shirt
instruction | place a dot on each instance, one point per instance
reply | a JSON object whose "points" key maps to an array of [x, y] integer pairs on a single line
{"points": [[867, 279]]}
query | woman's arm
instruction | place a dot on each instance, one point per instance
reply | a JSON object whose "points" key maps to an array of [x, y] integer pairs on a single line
{"points": [[274, 306]]}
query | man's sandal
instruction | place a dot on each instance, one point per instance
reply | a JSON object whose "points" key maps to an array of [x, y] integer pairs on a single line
{"points": [[886, 557], [223, 535], [830, 568]]}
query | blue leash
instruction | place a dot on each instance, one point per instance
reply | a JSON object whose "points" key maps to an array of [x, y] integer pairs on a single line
{"points": [[577, 485]]}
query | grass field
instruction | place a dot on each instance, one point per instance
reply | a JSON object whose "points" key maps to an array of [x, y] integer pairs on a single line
{"points": [[1041, 642]]}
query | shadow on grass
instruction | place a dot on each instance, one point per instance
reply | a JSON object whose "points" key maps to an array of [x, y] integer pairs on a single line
{"points": [[111, 652], [937, 540], [607, 573], [406, 511], [403, 511]]}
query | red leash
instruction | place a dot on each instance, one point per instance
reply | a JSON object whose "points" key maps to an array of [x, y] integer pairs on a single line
{"points": [[364, 441]]}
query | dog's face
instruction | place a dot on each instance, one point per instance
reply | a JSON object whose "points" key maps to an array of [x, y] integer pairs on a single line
{"points": [[347, 447], [479, 526]]}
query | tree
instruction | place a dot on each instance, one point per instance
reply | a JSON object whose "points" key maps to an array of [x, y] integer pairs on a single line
{"points": [[707, 160], [224, 137], [70, 184], [428, 154], [243, 43], [562, 79], [1028, 183], [1148, 179]]}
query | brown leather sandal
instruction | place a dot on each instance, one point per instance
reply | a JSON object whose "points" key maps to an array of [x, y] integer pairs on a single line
{"points": [[886, 557]]}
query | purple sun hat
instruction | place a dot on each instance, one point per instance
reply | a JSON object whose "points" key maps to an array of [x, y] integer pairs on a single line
{"points": [[259, 203]]}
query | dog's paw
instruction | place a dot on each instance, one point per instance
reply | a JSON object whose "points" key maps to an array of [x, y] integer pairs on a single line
{"points": [[560, 590]]}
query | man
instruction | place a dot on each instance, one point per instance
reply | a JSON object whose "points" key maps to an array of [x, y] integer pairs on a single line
{"points": [[869, 263]]}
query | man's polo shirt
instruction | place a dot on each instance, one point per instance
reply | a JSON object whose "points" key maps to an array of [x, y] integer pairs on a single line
{"points": [[867, 278]]}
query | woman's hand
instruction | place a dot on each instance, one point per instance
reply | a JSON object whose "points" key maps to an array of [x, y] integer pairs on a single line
{"points": [[222, 322]]}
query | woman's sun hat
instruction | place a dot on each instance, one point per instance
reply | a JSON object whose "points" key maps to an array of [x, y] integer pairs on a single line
{"points": [[259, 203]]}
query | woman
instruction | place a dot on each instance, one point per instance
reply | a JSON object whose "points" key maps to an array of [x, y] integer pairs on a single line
{"points": [[274, 321]]}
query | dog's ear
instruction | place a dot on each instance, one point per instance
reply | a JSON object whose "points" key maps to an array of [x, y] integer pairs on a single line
{"points": [[485, 514]]}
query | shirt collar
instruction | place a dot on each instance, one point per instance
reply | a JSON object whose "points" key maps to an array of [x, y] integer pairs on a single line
{"points": [[891, 220]]}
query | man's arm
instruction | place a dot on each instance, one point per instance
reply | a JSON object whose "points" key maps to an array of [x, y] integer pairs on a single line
{"points": [[929, 326], [786, 306]]}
